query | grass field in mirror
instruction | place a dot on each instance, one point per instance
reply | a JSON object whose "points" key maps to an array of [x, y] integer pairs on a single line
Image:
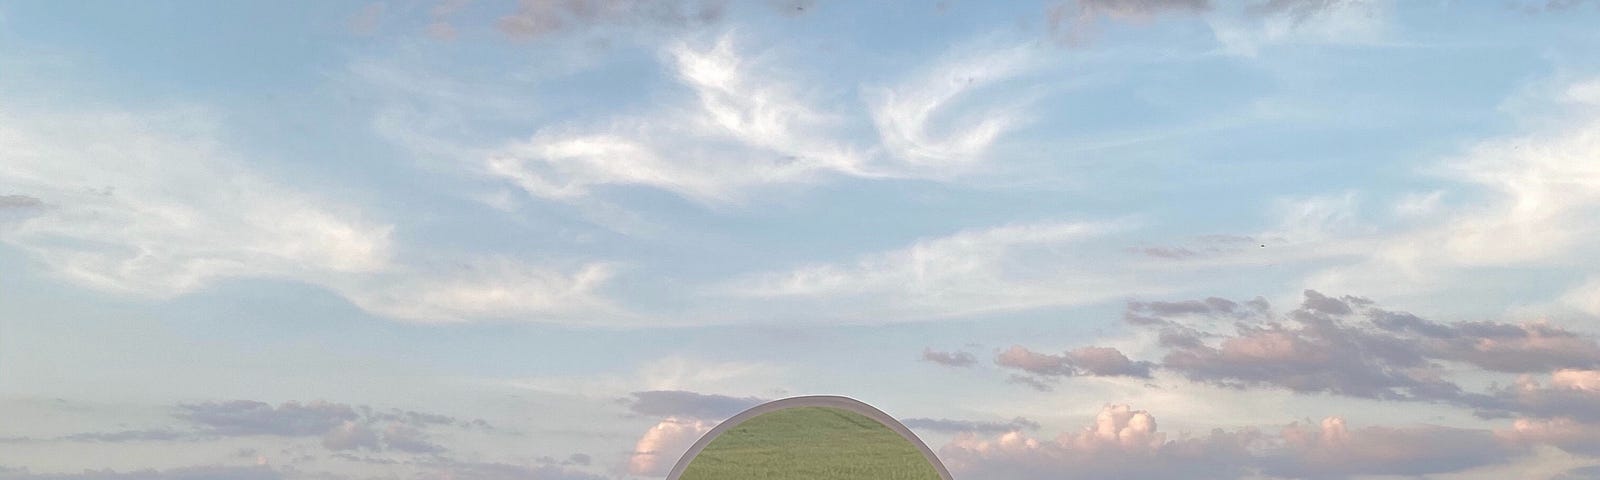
{"points": [[814, 443]]}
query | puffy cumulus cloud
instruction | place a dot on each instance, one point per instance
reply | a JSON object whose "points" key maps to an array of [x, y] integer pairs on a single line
{"points": [[1004, 268], [1122, 443], [683, 404], [204, 472], [970, 426], [949, 359], [1084, 361], [1125, 443], [1332, 450], [538, 18], [660, 447]]}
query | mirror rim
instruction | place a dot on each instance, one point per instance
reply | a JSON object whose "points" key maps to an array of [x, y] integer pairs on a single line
{"points": [[829, 401]]}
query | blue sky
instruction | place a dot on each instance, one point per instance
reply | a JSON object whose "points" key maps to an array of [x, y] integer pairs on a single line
{"points": [[561, 239]]}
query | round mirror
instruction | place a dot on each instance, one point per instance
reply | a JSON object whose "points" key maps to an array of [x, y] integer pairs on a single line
{"points": [[814, 438]]}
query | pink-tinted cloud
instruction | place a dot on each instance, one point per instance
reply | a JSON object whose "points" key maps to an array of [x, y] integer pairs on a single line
{"points": [[1126, 444], [1122, 443], [1571, 393], [661, 446], [1084, 361], [1564, 433], [1333, 450], [1348, 346]]}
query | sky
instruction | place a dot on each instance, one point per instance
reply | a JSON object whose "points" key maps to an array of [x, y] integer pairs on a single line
{"points": [[561, 239]]}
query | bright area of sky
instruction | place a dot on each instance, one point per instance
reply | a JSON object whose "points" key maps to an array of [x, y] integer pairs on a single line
{"points": [[560, 239]]}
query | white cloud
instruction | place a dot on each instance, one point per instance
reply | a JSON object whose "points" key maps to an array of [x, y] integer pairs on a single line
{"points": [[151, 204], [1122, 443], [749, 127], [660, 447], [1418, 205], [1125, 443], [1266, 24], [1528, 201], [1003, 268], [1585, 297], [921, 120], [1315, 218], [1564, 433], [746, 129], [730, 378], [495, 288]]}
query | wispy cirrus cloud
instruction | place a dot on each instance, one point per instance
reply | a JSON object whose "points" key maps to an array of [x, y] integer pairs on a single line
{"points": [[1519, 201], [685, 404], [749, 127], [974, 426], [936, 122], [203, 472], [497, 288], [1257, 26], [1009, 267], [339, 426], [123, 218], [743, 129]]}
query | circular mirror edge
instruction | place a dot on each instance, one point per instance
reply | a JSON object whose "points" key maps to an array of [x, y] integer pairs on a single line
{"points": [[829, 401]]}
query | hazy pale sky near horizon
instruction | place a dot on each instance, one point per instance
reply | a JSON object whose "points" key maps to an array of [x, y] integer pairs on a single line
{"points": [[560, 239]]}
